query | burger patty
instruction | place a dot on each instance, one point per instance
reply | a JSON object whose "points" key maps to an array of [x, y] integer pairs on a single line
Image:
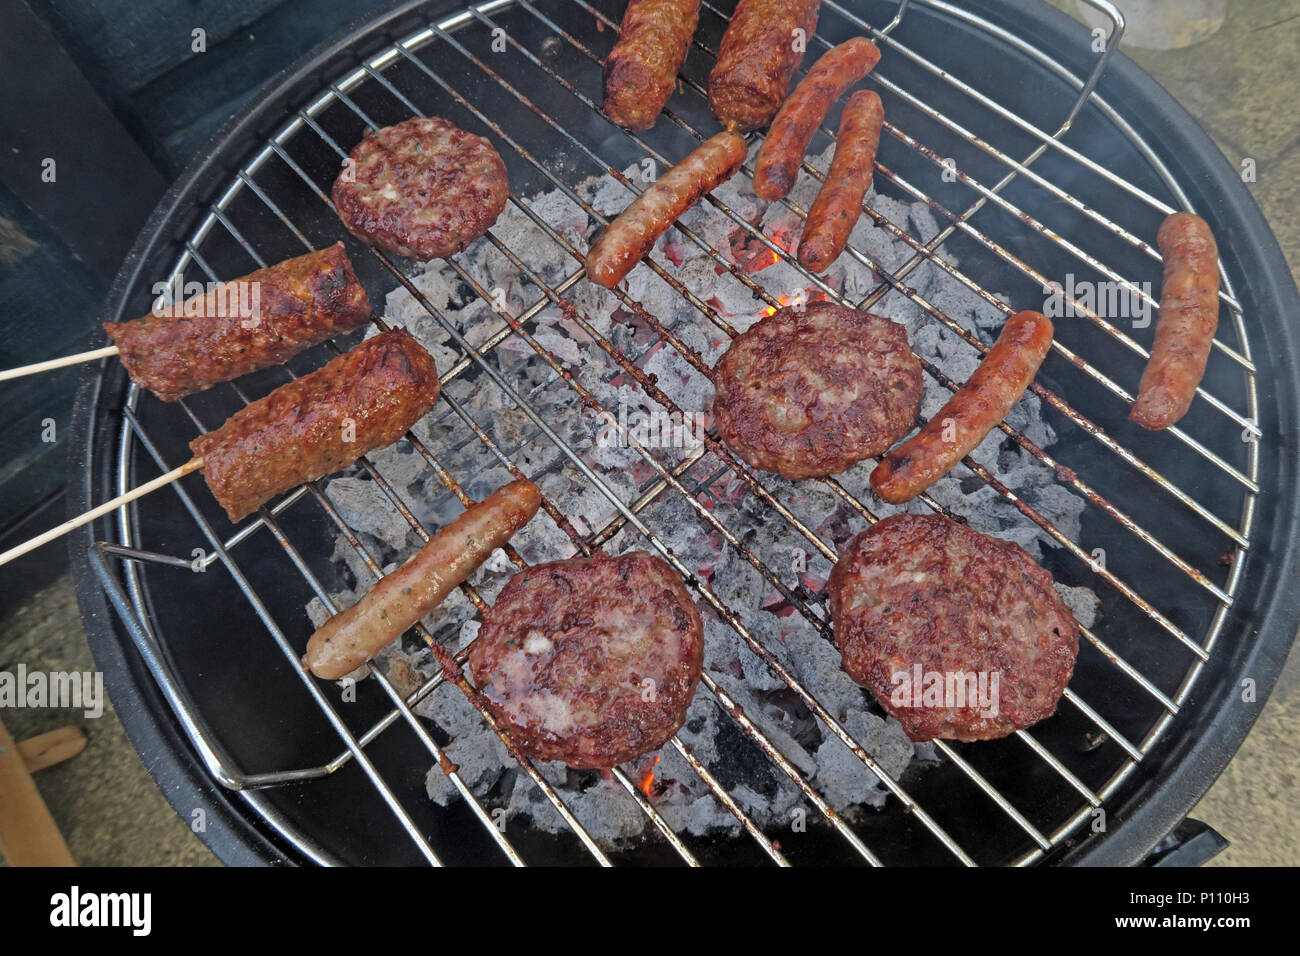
{"points": [[807, 393], [917, 596], [592, 661], [422, 188]]}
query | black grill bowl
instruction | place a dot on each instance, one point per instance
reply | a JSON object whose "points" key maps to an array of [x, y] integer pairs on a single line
{"points": [[243, 687]]}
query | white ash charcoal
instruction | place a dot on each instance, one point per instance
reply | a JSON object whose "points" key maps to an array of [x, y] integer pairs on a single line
{"points": [[605, 808], [921, 217], [1082, 602], [608, 449], [774, 727], [476, 762], [456, 608], [353, 572], [557, 210], [817, 666], [594, 504], [842, 777], [730, 659], [682, 798], [680, 795], [707, 816], [399, 464], [925, 752], [467, 634], [1063, 507], [773, 806], [400, 670], [437, 285], [448, 707], [561, 346], [365, 508], [612, 195], [317, 612], [596, 304], [498, 563]]}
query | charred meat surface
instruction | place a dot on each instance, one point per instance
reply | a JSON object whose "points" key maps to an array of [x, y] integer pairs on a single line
{"points": [[779, 158], [254, 322], [1189, 317], [641, 70], [592, 661], [350, 638], [422, 188], [759, 53], [839, 201], [362, 400], [807, 393], [973, 411], [635, 230], [959, 635]]}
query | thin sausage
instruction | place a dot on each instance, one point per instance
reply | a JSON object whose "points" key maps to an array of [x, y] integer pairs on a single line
{"points": [[641, 70], [777, 165], [320, 423], [970, 414], [759, 53], [839, 203], [253, 322], [633, 234], [398, 600], [1189, 316]]}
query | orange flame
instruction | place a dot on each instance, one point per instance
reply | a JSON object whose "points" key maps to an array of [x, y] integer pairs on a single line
{"points": [[809, 297], [648, 780]]}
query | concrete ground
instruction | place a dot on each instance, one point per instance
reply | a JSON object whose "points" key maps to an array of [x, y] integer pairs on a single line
{"points": [[112, 814]]}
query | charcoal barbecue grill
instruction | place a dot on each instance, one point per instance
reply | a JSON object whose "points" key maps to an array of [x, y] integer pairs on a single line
{"points": [[1041, 152]]}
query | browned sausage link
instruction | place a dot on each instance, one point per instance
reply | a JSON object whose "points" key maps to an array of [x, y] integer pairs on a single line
{"points": [[839, 202], [362, 400], [397, 601], [240, 326], [777, 165], [641, 70], [757, 59], [970, 414], [633, 234], [1189, 316]]}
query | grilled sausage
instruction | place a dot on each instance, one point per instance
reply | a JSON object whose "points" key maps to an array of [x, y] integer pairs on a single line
{"points": [[250, 323], [317, 424], [398, 600], [641, 70], [839, 202], [633, 234], [757, 59], [777, 165], [973, 410], [1189, 316]]}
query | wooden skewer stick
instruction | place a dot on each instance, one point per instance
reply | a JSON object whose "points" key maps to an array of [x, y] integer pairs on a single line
{"points": [[80, 357], [194, 464]]}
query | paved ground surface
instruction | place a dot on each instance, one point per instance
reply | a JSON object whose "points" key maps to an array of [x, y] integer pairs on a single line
{"points": [[111, 812]]}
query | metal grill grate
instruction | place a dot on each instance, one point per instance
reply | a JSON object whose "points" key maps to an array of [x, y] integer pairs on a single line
{"points": [[561, 43]]}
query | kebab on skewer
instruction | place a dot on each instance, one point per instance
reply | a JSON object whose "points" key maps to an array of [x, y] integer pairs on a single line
{"points": [[211, 338], [308, 428]]}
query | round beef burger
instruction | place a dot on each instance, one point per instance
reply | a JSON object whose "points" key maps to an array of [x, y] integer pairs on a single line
{"points": [[959, 635], [808, 392], [592, 661], [422, 188]]}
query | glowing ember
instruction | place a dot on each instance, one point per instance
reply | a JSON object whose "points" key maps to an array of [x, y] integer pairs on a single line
{"points": [[648, 780]]}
